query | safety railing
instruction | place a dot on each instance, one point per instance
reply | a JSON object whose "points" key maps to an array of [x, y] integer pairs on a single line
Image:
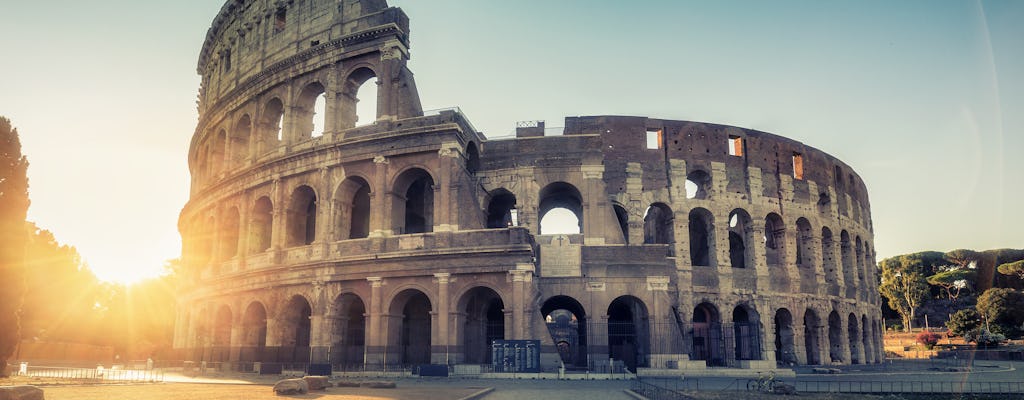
{"points": [[884, 387], [98, 374]]}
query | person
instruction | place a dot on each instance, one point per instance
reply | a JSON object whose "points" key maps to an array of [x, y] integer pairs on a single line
{"points": [[149, 363]]}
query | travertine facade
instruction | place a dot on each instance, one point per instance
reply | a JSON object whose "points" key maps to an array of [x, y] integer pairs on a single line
{"points": [[413, 239]]}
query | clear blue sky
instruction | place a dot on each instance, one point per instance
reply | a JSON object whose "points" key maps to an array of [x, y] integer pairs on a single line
{"points": [[925, 99]]}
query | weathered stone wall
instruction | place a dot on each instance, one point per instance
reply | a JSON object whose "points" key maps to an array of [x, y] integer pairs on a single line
{"points": [[414, 239]]}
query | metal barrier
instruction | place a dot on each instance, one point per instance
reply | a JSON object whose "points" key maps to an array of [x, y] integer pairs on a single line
{"points": [[656, 392], [885, 387], [98, 374]]}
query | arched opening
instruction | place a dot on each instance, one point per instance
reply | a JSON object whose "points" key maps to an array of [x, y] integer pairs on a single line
{"points": [[859, 264], [567, 323], [499, 209], [628, 337], [219, 152], [702, 237], [352, 205], [824, 203], [812, 340], [254, 332], [854, 335], [785, 346], [741, 235], [747, 333], [360, 99], [296, 329], [698, 184], [229, 235], [271, 124], [560, 209], [835, 337], [804, 250], [261, 226], [484, 323], [410, 329], [302, 216], [869, 355], [707, 335], [414, 212], [349, 331], [240, 140], [310, 109], [774, 240], [472, 158], [658, 222], [623, 218], [849, 271], [222, 334], [828, 261]]}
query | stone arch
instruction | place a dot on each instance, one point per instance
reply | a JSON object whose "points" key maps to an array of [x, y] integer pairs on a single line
{"points": [[566, 321], [804, 240], [812, 337], [271, 124], [307, 123], [254, 332], [698, 184], [774, 240], [484, 322], [622, 216], [301, 217], [859, 258], [707, 335], [472, 158], [352, 208], [835, 337], [785, 340], [746, 323], [261, 225], [853, 333], [240, 140], [348, 330], [354, 89], [865, 337], [413, 205], [410, 328], [741, 239], [702, 238], [658, 224], [229, 229], [560, 195], [628, 332], [500, 207], [295, 326]]}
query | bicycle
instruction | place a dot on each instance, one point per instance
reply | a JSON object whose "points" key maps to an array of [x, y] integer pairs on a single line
{"points": [[764, 383]]}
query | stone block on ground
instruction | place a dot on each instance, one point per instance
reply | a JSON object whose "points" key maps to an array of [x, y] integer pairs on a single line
{"points": [[784, 388], [23, 392], [348, 384], [378, 385], [317, 382], [291, 386]]}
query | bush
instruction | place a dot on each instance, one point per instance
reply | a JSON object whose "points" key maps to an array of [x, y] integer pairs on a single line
{"points": [[928, 339], [984, 338], [963, 321]]}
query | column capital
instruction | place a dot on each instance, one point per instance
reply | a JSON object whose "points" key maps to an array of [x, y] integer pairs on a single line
{"points": [[375, 281], [443, 278]]}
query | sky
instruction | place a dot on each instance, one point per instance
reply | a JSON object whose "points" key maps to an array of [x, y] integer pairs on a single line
{"points": [[924, 99]]}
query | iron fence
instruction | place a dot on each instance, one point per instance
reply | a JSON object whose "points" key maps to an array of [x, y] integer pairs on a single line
{"points": [[98, 374], [886, 387]]}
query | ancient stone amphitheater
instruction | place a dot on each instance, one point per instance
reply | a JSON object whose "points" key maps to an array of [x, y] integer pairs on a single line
{"points": [[312, 237]]}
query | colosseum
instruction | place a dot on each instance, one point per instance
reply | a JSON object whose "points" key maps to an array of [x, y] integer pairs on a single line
{"points": [[313, 238]]}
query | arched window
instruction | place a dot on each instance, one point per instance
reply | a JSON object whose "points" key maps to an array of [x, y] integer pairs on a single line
{"points": [[229, 235], [623, 218], [499, 209], [774, 240], [359, 106], [261, 225], [352, 204], [310, 120], [702, 238], [561, 209], [240, 141], [302, 216], [472, 158], [804, 237], [658, 223], [747, 333], [271, 124], [415, 209], [698, 184], [741, 236]]}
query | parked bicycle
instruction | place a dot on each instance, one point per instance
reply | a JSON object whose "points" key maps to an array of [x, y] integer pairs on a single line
{"points": [[764, 382]]}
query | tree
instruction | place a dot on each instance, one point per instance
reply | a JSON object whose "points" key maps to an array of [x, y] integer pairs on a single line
{"points": [[962, 257], [1002, 309], [957, 278], [1014, 269], [13, 236], [963, 321], [904, 285]]}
